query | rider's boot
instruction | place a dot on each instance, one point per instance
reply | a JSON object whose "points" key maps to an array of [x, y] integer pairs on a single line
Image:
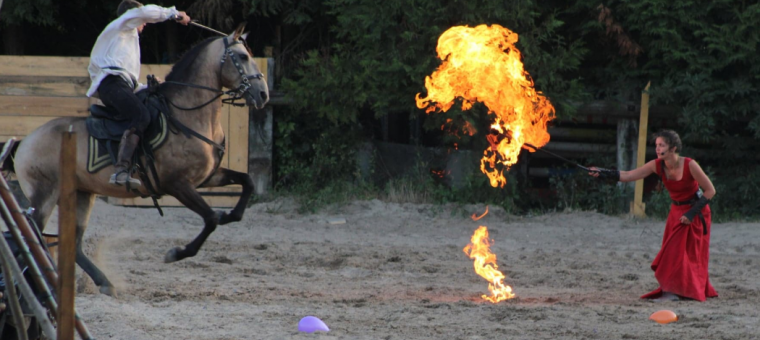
{"points": [[121, 175]]}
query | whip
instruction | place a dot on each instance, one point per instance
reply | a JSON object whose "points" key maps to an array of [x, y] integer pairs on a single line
{"points": [[196, 24], [560, 157]]}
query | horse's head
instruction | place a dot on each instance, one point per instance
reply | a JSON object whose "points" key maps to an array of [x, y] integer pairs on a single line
{"points": [[240, 72]]}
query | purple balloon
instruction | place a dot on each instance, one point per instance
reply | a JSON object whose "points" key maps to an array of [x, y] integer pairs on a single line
{"points": [[311, 324]]}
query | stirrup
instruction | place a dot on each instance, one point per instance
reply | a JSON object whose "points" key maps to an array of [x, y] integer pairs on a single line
{"points": [[116, 180]]}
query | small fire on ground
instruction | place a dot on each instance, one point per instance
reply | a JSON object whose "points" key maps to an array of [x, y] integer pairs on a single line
{"points": [[484, 261]]}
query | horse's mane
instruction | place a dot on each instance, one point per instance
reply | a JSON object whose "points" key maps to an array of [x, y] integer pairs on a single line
{"points": [[182, 69]]}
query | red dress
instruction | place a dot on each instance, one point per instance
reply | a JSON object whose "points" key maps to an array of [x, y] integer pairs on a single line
{"points": [[681, 265]]}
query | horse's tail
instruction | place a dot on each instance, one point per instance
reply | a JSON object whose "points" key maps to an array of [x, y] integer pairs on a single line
{"points": [[7, 154]]}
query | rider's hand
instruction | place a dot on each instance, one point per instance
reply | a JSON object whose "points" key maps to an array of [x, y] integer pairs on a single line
{"points": [[685, 220], [183, 18], [594, 172]]}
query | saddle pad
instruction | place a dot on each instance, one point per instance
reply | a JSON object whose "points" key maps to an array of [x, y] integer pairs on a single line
{"points": [[99, 156]]}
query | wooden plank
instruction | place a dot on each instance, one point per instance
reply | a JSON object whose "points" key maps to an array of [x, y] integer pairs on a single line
{"points": [[225, 121], [21, 126], [67, 221], [261, 63], [44, 106], [44, 86], [239, 121], [637, 206], [46, 71], [159, 70], [44, 66], [75, 66]]}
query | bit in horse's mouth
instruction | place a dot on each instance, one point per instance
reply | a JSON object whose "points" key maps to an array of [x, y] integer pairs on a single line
{"points": [[256, 101]]}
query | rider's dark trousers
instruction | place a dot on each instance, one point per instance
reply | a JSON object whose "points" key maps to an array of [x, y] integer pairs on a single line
{"points": [[116, 92]]}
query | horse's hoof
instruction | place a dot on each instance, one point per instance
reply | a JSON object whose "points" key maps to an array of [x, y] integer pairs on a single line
{"points": [[172, 255], [108, 290]]}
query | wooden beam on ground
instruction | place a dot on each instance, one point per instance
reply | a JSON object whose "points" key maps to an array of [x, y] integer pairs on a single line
{"points": [[67, 220], [638, 207]]}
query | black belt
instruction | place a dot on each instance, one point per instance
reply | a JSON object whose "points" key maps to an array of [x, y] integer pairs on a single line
{"points": [[701, 217], [116, 68], [689, 202]]}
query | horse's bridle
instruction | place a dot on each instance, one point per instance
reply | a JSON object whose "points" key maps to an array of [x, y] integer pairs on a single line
{"points": [[236, 94], [245, 84]]}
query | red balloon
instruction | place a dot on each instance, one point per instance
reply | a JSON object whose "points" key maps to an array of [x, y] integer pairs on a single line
{"points": [[664, 316]]}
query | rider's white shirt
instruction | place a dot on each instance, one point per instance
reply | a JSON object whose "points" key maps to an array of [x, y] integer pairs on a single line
{"points": [[119, 44]]}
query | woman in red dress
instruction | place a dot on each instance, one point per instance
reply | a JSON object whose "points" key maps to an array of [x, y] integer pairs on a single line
{"points": [[681, 265]]}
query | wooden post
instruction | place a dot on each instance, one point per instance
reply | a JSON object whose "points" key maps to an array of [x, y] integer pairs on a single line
{"points": [[67, 221], [43, 271], [637, 206]]}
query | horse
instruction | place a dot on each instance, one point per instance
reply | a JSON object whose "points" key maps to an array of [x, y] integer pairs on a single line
{"points": [[182, 164]]}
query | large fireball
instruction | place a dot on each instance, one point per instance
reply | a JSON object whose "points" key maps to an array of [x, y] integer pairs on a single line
{"points": [[482, 64]]}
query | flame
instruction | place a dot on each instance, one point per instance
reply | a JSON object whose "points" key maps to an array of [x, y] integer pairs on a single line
{"points": [[439, 173], [476, 217], [482, 64], [467, 128], [485, 265]]}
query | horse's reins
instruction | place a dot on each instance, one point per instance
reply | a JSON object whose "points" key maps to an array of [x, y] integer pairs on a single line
{"points": [[236, 94], [219, 93]]}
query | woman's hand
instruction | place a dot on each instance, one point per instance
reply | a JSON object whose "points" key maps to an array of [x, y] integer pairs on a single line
{"points": [[594, 172], [685, 220]]}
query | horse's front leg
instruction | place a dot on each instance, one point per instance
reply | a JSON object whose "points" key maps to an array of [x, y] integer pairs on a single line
{"points": [[224, 177], [188, 196]]}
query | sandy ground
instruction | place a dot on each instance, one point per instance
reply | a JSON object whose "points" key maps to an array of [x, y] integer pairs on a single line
{"points": [[397, 271]]}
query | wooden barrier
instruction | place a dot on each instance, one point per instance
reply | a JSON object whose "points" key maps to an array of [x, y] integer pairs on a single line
{"points": [[35, 90]]}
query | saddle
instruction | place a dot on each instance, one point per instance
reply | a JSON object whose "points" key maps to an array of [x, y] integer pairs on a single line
{"points": [[106, 126], [105, 123]]}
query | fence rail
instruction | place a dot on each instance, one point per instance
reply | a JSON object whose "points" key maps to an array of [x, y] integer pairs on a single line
{"points": [[36, 89]]}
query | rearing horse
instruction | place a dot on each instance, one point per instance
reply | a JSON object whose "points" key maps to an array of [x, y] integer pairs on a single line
{"points": [[182, 164]]}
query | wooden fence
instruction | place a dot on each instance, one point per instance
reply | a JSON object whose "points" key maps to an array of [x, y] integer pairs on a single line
{"points": [[35, 90]]}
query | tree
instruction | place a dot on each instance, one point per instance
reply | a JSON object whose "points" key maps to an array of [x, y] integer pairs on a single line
{"points": [[381, 53], [37, 12], [700, 56]]}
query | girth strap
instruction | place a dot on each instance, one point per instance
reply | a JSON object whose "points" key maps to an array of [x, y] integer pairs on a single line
{"points": [[190, 132]]}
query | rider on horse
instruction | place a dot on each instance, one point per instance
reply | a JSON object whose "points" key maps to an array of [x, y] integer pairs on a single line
{"points": [[114, 69]]}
